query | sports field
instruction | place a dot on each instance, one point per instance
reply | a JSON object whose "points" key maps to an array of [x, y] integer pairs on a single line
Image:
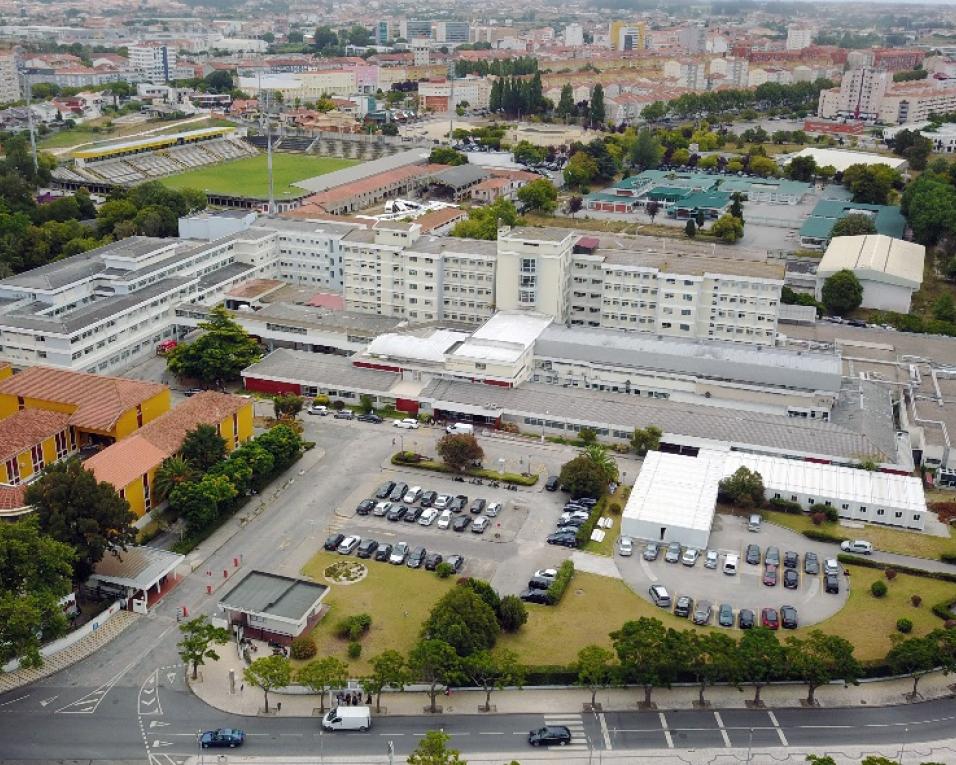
{"points": [[247, 177]]}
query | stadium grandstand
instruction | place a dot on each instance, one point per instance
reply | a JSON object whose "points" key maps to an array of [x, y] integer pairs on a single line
{"points": [[132, 162]]}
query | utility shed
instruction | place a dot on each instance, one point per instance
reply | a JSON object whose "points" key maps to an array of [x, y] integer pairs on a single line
{"points": [[674, 497], [273, 607]]}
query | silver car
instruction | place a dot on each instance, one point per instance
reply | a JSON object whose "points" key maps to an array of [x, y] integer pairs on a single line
{"points": [[711, 559], [651, 551], [673, 553], [691, 554]]}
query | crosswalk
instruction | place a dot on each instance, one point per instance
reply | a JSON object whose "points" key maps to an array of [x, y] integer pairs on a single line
{"points": [[575, 724]]}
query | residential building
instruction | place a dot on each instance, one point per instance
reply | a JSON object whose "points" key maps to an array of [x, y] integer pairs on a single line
{"points": [[30, 440], [627, 35], [799, 38], [860, 95], [9, 76], [382, 33], [154, 61], [917, 101], [735, 71], [898, 59], [437, 94], [574, 35], [686, 73]]}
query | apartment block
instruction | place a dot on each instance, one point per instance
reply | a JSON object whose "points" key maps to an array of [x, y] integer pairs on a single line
{"points": [[9, 78], [860, 95], [154, 61], [799, 38], [452, 32], [309, 252]]}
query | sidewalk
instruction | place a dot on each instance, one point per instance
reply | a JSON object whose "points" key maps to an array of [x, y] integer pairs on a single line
{"points": [[214, 690]]}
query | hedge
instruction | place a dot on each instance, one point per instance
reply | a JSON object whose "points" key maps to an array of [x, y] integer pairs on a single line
{"points": [[948, 557], [785, 506], [584, 533], [944, 576], [485, 473], [821, 536], [561, 581], [942, 610]]}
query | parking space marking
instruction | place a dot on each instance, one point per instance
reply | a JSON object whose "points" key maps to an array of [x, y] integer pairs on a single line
{"points": [[667, 733], [723, 730], [604, 731], [776, 725], [647, 571]]}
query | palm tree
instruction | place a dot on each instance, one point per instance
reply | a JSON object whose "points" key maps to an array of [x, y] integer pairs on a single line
{"points": [[600, 456], [173, 471]]}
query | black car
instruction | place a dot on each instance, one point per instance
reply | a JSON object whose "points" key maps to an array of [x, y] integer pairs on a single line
{"points": [[370, 417], [432, 560], [397, 513], [229, 737], [541, 597], [365, 506], [412, 515], [563, 539], [788, 618], [428, 498], [416, 557], [477, 506], [461, 523], [553, 483], [458, 503], [538, 583], [549, 735], [333, 542], [456, 562], [567, 530], [745, 619], [683, 606], [752, 555], [382, 553], [572, 522], [811, 564], [791, 579], [832, 584], [398, 492], [344, 414], [586, 501], [385, 490], [366, 548], [791, 559]]}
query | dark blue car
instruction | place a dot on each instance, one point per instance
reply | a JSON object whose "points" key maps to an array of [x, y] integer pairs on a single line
{"points": [[230, 737]]}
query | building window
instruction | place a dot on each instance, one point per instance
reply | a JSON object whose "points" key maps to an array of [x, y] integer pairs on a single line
{"points": [[139, 415], [147, 494], [36, 453], [13, 471], [61, 445], [20, 403], [235, 429]]}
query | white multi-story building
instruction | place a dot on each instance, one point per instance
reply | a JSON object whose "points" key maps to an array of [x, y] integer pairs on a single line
{"points": [[735, 71], [574, 35], [9, 77], [799, 38], [686, 73], [154, 61], [859, 96], [437, 94]]}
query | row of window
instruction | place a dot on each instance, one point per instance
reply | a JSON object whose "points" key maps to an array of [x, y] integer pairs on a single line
{"points": [[65, 441]]}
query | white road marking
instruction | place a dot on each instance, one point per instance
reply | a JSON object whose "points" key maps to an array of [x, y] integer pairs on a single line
{"points": [[723, 731], [491, 733], [667, 733], [170, 677], [776, 725], [88, 704], [647, 570], [50, 700], [18, 698], [604, 731], [157, 743], [157, 724]]}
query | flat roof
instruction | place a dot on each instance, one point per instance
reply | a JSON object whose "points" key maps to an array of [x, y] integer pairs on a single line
{"points": [[136, 567], [693, 265], [876, 257], [676, 490], [308, 368], [505, 337], [282, 597], [841, 159], [430, 347]]}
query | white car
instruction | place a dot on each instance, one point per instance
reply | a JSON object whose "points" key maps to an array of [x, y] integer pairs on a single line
{"points": [[577, 515], [428, 516], [479, 525], [711, 559], [625, 546], [381, 509], [493, 509], [691, 554], [441, 501], [858, 546], [412, 495], [319, 410], [444, 520], [407, 424], [546, 573], [348, 544]]}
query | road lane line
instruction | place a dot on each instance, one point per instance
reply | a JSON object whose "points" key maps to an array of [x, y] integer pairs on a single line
{"points": [[723, 731], [605, 732], [491, 733], [667, 733], [14, 701], [776, 725]]}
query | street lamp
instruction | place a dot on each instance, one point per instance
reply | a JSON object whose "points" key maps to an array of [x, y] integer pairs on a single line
{"points": [[902, 745], [750, 743], [546, 414]]}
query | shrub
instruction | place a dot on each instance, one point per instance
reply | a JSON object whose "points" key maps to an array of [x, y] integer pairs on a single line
{"points": [[584, 533], [512, 613], [904, 625], [916, 600], [890, 574], [561, 581], [444, 570], [321, 400], [303, 647], [859, 560], [353, 627], [947, 557], [878, 589], [615, 508], [831, 514], [818, 518], [785, 506], [355, 649], [820, 536], [338, 406]]}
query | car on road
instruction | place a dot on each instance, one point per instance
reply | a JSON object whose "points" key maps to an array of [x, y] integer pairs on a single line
{"points": [[406, 424], [791, 559], [348, 545], [683, 606], [441, 501], [553, 483], [344, 414], [479, 525], [541, 597], [493, 510], [673, 553], [458, 503], [444, 520], [366, 549], [428, 516], [745, 619], [659, 595], [428, 498], [412, 515], [769, 618], [396, 513], [856, 546], [788, 618], [456, 562], [625, 546], [711, 559], [412, 496], [831, 584], [563, 539], [651, 551], [365, 506], [546, 573], [416, 557], [385, 490], [752, 555], [690, 556], [229, 737], [383, 553], [381, 509], [791, 579], [811, 564], [370, 417], [461, 523], [550, 735], [432, 560], [770, 575], [477, 506], [399, 554], [725, 615], [333, 541], [318, 409], [703, 612], [398, 492], [831, 566], [772, 557]]}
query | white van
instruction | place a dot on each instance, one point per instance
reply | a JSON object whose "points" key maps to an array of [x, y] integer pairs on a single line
{"points": [[754, 523], [730, 564], [348, 718], [461, 428]]}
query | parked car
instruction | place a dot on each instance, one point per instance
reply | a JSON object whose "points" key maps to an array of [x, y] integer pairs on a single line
{"points": [[428, 498], [546, 573], [416, 557], [479, 525], [703, 612], [574, 515], [683, 606], [461, 523], [788, 618], [811, 564], [539, 583], [381, 509], [366, 549], [406, 424], [651, 551], [550, 735], [791, 559], [587, 501], [831, 584], [370, 417], [344, 414], [444, 520], [412, 496], [383, 553], [333, 541], [659, 595], [441, 501], [769, 619], [711, 559], [752, 556], [772, 558], [365, 507], [477, 506], [493, 509], [385, 490], [831, 566], [570, 523], [690, 556], [725, 615], [563, 539], [857, 547], [456, 562], [791, 579], [348, 545], [673, 553], [318, 409], [398, 492], [625, 547], [412, 514], [428, 516], [730, 564], [396, 513], [745, 619], [229, 737], [553, 483], [458, 503], [541, 597], [399, 554], [770, 575]]}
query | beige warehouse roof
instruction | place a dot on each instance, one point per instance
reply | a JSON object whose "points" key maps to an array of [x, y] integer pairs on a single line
{"points": [[877, 257]]}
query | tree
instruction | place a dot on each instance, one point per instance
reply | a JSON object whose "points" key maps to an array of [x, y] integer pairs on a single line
{"points": [[820, 658], [842, 292], [527, 153], [655, 111], [594, 669], [601, 457], [915, 656], [389, 670], [680, 156], [871, 183], [433, 750], [322, 675], [268, 672], [202, 448], [491, 671], [539, 195], [89, 516], [463, 620], [648, 653], [199, 637], [710, 656], [195, 503], [764, 658], [597, 110], [944, 308], [644, 440], [483, 222], [173, 472], [435, 663], [690, 228], [647, 151], [929, 205], [652, 208], [566, 101], [445, 155], [826, 173], [575, 203], [744, 488], [736, 207], [728, 228], [219, 355], [855, 224], [512, 613], [283, 443], [35, 573], [459, 450], [583, 478], [802, 169], [287, 406], [580, 170], [325, 38], [762, 166]]}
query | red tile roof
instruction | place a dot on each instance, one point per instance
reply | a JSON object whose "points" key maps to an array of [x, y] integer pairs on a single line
{"points": [[28, 428], [12, 497], [438, 218], [99, 400]]}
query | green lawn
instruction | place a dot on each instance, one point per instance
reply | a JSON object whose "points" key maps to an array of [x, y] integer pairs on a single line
{"points": [[85, 133], [247, 177]]}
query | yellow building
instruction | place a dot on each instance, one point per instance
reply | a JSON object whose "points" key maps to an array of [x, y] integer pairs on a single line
{"points": [[627, 35], [101, 409], [130, 465], [5, 370]]}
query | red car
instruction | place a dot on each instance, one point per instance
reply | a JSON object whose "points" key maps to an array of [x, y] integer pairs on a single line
{"points": [[770, 576], [769, 619]]}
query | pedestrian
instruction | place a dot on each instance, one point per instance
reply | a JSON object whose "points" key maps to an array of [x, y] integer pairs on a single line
{"points": [[369, 699], [278, 706], [242, 687]]}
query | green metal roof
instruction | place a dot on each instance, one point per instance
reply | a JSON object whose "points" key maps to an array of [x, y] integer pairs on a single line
{"points": [[704, 200], [887, 218]]}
